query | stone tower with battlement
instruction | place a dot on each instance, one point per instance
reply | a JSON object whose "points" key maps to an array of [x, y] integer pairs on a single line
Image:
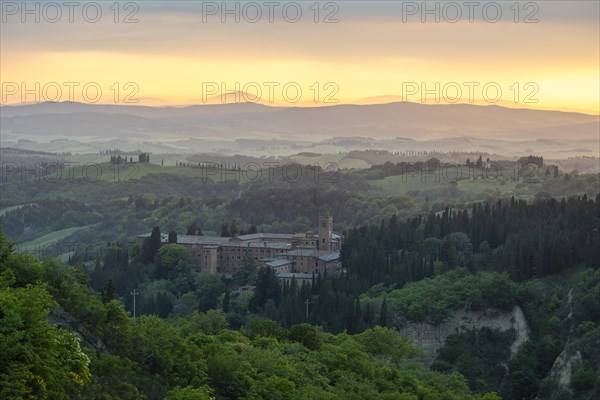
{"points": [[325, 231]]}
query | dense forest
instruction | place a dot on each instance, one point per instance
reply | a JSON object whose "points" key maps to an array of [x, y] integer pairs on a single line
{"points": [[541, 256], [61, 341]]}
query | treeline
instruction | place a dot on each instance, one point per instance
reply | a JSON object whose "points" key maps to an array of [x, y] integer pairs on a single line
{"points": [[520, 238]]}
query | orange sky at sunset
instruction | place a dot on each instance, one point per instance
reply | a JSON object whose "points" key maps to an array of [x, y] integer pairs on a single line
{"points": [[174, 57]]}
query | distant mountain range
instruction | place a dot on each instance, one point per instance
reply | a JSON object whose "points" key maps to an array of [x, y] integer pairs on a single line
{"points": [[249, 120]]}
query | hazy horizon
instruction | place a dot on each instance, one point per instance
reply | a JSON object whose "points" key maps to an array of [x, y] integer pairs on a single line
{"points": [[372, 100]]}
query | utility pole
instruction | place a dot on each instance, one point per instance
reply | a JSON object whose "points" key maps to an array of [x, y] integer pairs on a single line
{"points": [[134, 293], [307, 302]]}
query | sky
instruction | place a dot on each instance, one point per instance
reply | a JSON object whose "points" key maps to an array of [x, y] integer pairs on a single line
{"points": [[543, 54]]}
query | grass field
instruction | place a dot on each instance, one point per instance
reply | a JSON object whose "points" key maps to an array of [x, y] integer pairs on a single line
{"points": [[341, 160], [106, 172], [8, 209], [504, 187], [403, 184], [44, 245]]}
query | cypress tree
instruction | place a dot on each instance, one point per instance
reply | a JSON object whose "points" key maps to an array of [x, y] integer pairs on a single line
{"points": [[383, 314], [108, 292], [226, 302], [151, 246]]}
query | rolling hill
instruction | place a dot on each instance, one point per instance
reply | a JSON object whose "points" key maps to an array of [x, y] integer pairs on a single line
{"points": [[378, 121]]}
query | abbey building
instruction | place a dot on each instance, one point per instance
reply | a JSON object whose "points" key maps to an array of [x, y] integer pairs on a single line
{"points": [[298, 254]]}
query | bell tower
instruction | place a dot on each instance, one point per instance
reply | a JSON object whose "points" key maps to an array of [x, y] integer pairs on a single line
{"points": [[325, 231]]}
